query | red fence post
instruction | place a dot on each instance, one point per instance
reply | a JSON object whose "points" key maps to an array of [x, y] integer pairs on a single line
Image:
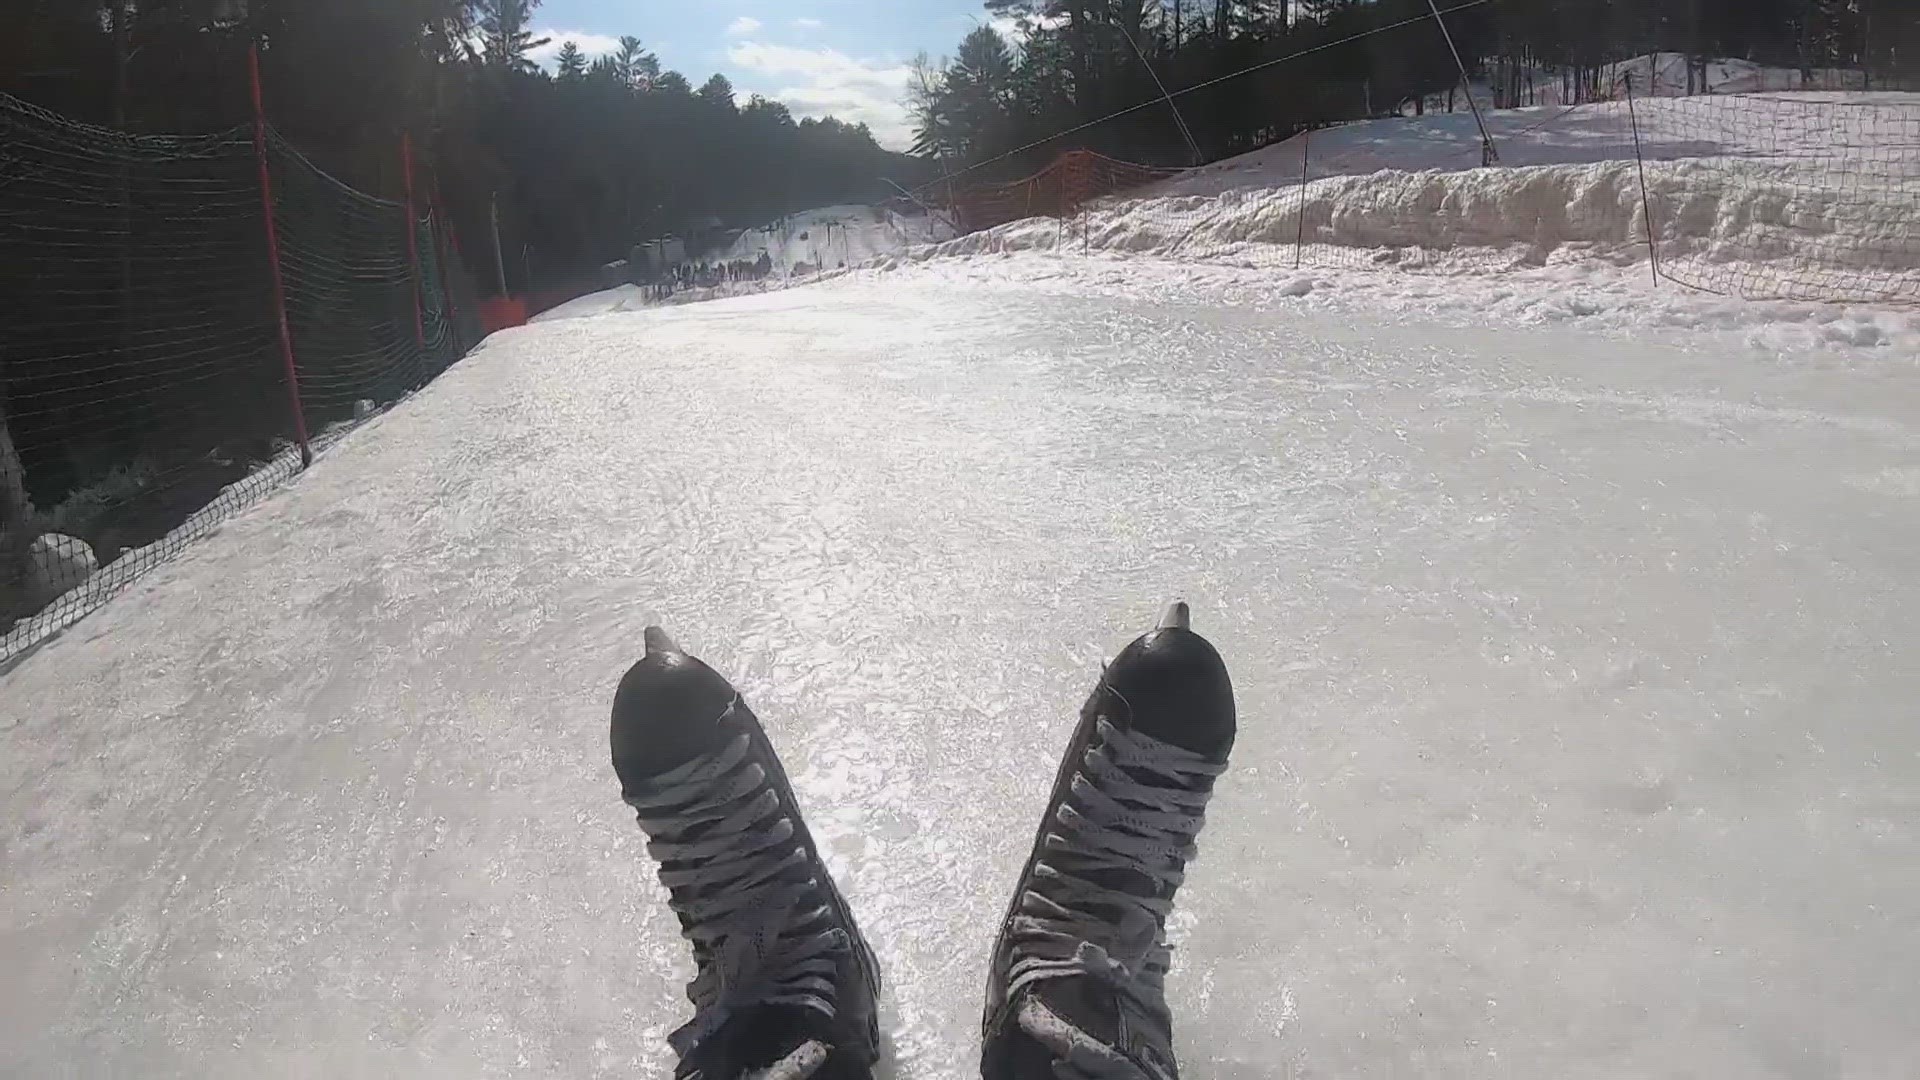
{"points": [[273, 258], [413, 242]]}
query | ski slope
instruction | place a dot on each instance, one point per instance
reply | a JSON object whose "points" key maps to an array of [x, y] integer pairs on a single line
{"points": [[1576, 679], [800, 245], [833, 237]]}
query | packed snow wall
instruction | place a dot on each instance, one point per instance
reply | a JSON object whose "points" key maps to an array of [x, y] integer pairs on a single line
{"points": [[1803, 197]]}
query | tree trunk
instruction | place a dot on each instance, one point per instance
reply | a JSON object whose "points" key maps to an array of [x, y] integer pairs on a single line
{"points": [[1080, 24], [1806, 43], [1133, 18], [1696, 49], [1866, 44]]}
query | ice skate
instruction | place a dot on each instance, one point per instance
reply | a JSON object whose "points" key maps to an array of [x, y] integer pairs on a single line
{"points": [[785, 985], [1077, 985]]}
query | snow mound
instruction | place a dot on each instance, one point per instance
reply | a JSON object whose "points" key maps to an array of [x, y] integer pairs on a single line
{"points": [[1491, 218], [57, 564], [1751, 196]]}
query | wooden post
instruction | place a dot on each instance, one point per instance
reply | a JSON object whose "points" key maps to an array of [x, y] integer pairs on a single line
{"points": [[273, 259]]}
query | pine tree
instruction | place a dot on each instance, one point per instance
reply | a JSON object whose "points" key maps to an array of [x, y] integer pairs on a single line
{"points": [[506, 35], [934, 130], [572, 63], [979, 88], [634, 65], [718, 91]]}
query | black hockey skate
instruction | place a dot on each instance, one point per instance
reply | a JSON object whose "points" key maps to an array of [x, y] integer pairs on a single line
{"points": [[1077, 986], [785, 985]]}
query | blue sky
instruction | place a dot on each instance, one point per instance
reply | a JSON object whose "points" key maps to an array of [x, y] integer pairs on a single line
{"points": [[846, 58]]}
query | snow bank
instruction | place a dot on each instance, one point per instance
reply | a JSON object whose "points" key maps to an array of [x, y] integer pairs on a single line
{"points": [[1877, 132], [57, 564], [1591, 295], [1751, 196], [1492, 219]]}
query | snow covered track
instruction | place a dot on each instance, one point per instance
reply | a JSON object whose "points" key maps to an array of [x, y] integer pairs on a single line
{"points": [[1576, 679]]}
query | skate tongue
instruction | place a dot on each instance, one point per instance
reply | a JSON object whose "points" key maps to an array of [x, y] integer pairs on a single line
{"points": [[803, 1062], [1068, 1043]]}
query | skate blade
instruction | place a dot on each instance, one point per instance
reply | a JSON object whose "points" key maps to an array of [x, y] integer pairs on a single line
{"points": [[1177, 616]]}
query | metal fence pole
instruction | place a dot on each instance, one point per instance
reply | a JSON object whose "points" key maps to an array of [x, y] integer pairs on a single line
{"points": [[1488, 155], [1300, 233], [1646, 199]]}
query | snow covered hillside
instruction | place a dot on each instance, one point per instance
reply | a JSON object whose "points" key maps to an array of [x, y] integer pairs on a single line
{"points": [[1801, 196], [798, 246], [834, 236], [1879, 130], [1575, 671], [1657, 75]]}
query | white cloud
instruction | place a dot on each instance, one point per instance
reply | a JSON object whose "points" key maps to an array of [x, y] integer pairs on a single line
{"points": [[826, 82], [1009, 27], [804, 23], [594, 45], [743, 26]]}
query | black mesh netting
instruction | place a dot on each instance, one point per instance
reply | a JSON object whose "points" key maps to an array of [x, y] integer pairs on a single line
{"points": [[1804, 196], [143, 384]]}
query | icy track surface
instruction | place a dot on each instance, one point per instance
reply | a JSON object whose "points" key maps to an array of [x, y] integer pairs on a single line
{"points": [[1577, 680]]}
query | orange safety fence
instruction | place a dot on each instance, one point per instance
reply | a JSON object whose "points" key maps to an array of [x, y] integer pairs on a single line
{"points": [[1073, 180]]}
